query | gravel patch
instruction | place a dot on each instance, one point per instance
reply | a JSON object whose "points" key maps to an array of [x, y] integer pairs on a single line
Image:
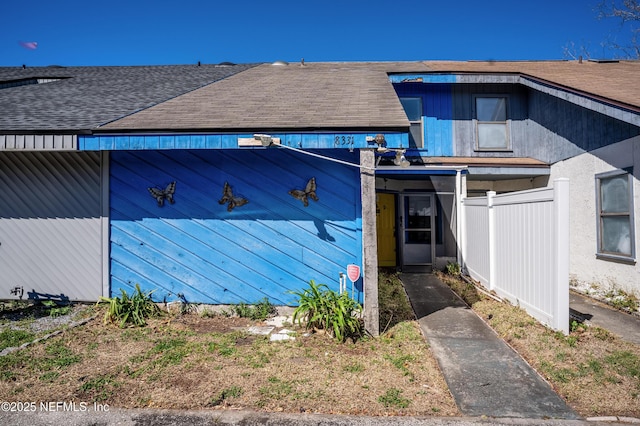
{"points": [[36, 319]]}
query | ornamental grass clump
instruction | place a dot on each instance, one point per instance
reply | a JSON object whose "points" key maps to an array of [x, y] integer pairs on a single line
{"points": [[324, 309], [133, 309]]}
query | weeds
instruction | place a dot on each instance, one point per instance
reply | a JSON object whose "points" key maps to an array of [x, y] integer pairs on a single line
{"points": [[100, 388], [135, 309], [394, 306], [225, 394], [258, 312], [401, 363], [55, 310], [453, 268], [10, 338], [59, 356], [393, 398], [622, 300], [325, 309], [353, 368]]}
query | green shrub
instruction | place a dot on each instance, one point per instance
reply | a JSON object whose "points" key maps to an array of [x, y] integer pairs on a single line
{"points": [[325, 309], [258, 312], [133, 309]]}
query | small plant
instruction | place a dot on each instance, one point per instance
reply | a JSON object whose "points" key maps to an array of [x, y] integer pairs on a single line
{"points": [[393, 398], [453, 268], [101, 388], [577, 327], [353, 368], [9, 338], [133, 309], [401, 363], [232, 392], [258, 312], [622, 300], [55, 310], [325, 309]]}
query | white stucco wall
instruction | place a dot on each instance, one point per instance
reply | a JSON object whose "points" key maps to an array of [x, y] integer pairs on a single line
{"points": [[581, 171]]}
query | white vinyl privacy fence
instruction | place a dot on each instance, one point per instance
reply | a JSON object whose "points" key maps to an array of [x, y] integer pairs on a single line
{"points": [[517, 244]]}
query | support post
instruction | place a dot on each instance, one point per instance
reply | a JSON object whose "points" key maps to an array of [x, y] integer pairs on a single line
{"points": [[561, 267], [492, 240], [369, 241]]}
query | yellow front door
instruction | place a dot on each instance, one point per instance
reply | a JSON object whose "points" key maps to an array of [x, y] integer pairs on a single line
{"points": [[386, 229]]}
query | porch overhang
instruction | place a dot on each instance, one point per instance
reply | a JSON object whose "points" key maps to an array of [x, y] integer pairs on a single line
{"points": [[417, 171]]}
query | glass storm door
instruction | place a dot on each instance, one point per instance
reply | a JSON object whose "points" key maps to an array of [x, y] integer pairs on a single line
{"points": [[417, 230]]}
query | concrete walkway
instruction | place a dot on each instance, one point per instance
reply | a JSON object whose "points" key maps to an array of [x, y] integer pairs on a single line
{"points": [[485, 376], [625, 326]]}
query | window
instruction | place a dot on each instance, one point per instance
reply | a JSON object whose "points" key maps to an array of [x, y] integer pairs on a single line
{"points": [[615, 215], [492, 129], [413, 109]]}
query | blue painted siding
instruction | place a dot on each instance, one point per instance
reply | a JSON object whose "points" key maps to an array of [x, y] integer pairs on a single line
{"points": [[227, 141], [423, 78], [265, 248], [437, 115]]}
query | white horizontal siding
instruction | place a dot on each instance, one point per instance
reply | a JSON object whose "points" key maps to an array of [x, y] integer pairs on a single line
{"points": [[50, 224], [38, 142]]}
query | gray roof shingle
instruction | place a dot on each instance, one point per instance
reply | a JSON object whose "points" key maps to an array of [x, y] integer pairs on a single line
{"points": [[86, 97], [271, 97], [316, 96]]}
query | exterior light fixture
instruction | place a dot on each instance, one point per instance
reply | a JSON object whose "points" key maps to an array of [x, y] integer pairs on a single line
{"points": [[265, 139]]}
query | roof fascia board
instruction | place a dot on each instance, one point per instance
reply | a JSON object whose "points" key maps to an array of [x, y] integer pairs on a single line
{"points": [[512, 171], [345, 140], [601, 105]]}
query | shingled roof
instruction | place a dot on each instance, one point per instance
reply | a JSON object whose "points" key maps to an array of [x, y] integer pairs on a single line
{"points": [[285, 97], [617, 82], [75, 99], [266, 97]]}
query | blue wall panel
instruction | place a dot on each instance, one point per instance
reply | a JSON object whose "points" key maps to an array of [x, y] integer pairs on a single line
{"points": [[437, 115], [227, 141], [265, 248]]}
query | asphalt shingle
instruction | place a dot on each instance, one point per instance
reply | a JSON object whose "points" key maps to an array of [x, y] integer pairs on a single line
{"points": [[272, 97], [85, 97]]}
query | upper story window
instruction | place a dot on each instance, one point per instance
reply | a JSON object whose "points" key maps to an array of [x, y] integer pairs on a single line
{"points": [[492, 122], [413, 108], [615, 215]]}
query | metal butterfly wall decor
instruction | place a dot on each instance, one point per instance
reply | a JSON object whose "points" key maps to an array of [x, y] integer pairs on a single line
{"points": [[163, 194], [228, 197], [308, 192]]}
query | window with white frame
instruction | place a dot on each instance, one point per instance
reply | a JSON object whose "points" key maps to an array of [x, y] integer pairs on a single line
{"points": [[615, 215], [413, 108], [492, 122]]}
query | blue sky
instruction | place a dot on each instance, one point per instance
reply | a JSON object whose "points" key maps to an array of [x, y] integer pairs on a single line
{"points": [[130, 32]]}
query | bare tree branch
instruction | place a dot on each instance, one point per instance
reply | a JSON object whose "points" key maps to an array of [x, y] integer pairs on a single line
{"points": [[628, 13]]}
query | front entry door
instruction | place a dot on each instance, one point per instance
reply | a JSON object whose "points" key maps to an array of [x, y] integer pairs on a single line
{"points": [[386, 229], [417, 229]]}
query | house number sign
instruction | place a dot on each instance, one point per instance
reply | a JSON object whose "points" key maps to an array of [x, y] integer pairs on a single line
{"points": [[342, 141]]}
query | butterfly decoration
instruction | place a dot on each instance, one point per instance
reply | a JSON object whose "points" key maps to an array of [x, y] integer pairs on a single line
{"points": [[308, 192], [163, 194], [228, 197]]}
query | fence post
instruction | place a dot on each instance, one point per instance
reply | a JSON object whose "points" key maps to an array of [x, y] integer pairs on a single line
{"points": [[561, 248], [461, 235], [492, 240]]}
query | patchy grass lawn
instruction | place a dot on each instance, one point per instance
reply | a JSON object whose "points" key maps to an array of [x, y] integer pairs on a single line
{"points": [[191, 361], [596, 372]]}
